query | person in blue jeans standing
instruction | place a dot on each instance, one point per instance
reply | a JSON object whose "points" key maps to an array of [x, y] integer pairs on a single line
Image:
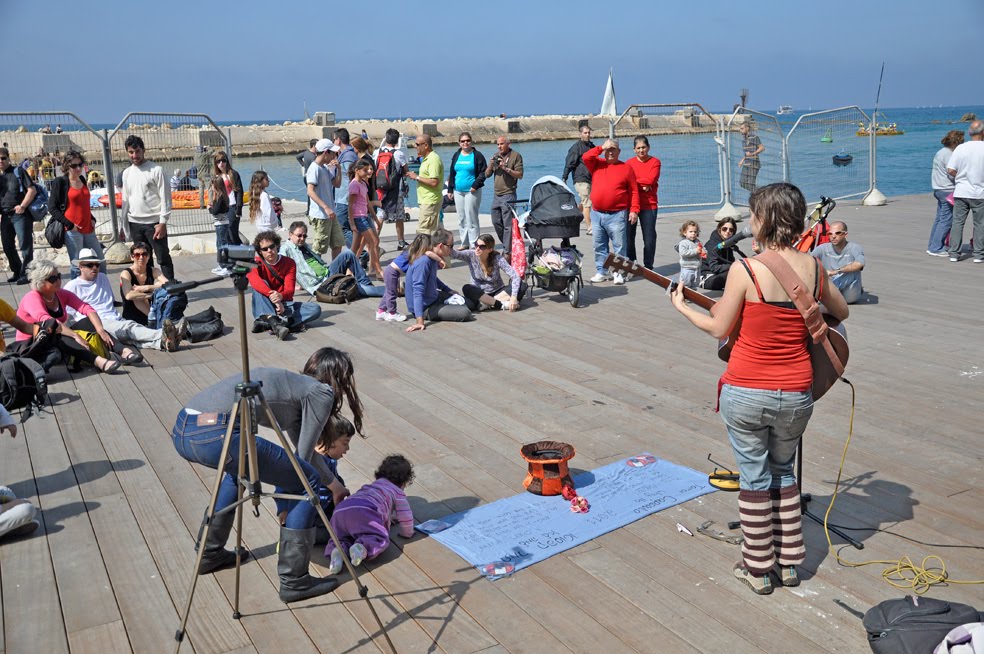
{"points": [[303, 407], [273, 281], [614, 204], [346, 157], [943, 186]]}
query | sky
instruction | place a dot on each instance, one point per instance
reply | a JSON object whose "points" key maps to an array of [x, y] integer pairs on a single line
{"points": [[252, 60]]}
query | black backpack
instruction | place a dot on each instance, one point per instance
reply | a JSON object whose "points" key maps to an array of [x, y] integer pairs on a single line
{"points": [[22, 384], [914, 625], [338, 289]]}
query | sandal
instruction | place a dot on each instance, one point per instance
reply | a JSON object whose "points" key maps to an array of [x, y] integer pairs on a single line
{"points": [[113, 363], [134, 357], [759, 585]]}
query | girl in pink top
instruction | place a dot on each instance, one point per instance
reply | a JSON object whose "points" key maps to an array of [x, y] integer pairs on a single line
{"points": [[362, 520], [363, 227], [55, 340]]}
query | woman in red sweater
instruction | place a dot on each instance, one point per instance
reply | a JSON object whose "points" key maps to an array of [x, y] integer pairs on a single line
{"points": [[765, 399], [646, 171], [273, 281]]}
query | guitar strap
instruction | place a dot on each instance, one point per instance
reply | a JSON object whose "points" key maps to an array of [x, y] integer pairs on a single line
{"points": [[804, 301]]}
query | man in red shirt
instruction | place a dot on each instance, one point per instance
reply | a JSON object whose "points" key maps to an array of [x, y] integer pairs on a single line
{"points": [[273, 280], [614, 193]]}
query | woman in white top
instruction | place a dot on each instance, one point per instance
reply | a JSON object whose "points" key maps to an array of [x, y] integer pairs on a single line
{"points": [[260, 207], [942, 190]]}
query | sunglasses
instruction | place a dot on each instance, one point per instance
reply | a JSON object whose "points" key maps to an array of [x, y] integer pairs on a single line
{"points": [[465, 141], [51, 279], [139, 255], [88, 264], [76, 165], [4, 159], [838, 233], [268, 248], [481, 246], [218, 161], [301, 235], [727, 229]]}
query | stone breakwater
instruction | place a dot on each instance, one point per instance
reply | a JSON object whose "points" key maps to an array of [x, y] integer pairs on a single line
{"points": [[170, 142]]}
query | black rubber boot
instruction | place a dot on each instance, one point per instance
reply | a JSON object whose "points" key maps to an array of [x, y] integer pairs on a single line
{"points": [[292, 566], [216, 557]]}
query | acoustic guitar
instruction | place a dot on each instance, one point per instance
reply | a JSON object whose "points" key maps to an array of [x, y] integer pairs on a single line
{"points": [[824, 373]]}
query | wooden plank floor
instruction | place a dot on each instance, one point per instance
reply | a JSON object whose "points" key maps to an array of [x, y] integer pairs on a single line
{"points": [[109, 569]]}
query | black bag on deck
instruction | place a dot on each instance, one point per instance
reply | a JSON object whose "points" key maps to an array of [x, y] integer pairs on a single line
{"points": [[914, 625], [22, 384], [205, 325], [338, 289]]}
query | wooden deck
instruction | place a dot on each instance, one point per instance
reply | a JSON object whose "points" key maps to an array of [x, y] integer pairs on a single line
{"points": [[108, 570]]}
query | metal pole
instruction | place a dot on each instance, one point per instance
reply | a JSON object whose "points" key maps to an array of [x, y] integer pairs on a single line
{"points": [[874, 198], [111, 186]]}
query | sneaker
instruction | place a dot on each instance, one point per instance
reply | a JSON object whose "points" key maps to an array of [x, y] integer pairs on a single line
{"points": [[941, 253], [335, 562], [22, 280], [395, 317], [364, 260], [618, 279], [403, 245], [169, 340], [221, 272], [260, 325], [382, 315], [978, 260], [954, 259], [357, 554], [23, 530], [589, 232], [182, 327], [787, 576], [759, 585], [598, 278]]}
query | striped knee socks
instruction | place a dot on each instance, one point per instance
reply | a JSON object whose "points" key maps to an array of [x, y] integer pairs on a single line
{"points": [[787, 525], [755, 511]]}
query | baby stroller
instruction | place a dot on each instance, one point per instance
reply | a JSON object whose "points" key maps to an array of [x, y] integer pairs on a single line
{"points": [[553, 213]]}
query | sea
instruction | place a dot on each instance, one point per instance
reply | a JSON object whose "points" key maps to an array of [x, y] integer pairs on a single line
{"points": [[903, 161]]}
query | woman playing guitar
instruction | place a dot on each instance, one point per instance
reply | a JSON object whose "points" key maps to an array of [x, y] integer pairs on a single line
{"points": [[765, 398]]}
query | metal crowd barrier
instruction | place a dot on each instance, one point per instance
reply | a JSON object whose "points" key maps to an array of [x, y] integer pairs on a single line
{"points": [[830, 153]]}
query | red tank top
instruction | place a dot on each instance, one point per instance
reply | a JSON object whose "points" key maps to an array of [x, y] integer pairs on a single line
{"points": [[77, 209], [771, 352]]}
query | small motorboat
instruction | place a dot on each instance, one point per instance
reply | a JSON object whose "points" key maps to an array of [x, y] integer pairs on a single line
{"points": [[842, 158], [828, 136], [784, 109]]}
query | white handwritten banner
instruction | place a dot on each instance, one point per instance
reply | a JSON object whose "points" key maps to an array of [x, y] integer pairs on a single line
{"points": [[511, 534]]}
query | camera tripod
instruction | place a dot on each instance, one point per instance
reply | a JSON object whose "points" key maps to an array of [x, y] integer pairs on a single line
{"points": [[249, 397]]}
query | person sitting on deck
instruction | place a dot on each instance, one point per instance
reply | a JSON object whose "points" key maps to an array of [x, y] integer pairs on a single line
{"points": [[843, 261], [273, 281], [312, 271]]}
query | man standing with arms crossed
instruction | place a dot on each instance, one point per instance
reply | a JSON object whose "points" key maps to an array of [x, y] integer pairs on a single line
{"points": [[323, 177], [429, 181], [582, 178], [966, 166], [507, 167], [147, 204]]}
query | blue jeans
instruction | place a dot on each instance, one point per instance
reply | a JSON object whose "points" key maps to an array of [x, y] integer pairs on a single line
{"points": [[941, 226], [75, 241], [203, 444], [346, 260], [223, 237], [647, 221], [164, 306], [298, 313], [341, 210], [608, 226], [765, 428]]}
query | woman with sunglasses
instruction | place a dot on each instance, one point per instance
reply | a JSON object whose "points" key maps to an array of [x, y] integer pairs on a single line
{"points": [[68, 203], [465, 181], [234, 189], [487, 289], [138, 283], [714, 269], [47, 305]]}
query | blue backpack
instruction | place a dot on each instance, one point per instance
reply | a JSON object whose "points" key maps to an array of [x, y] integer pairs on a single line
{"points": [[39, 206]]}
